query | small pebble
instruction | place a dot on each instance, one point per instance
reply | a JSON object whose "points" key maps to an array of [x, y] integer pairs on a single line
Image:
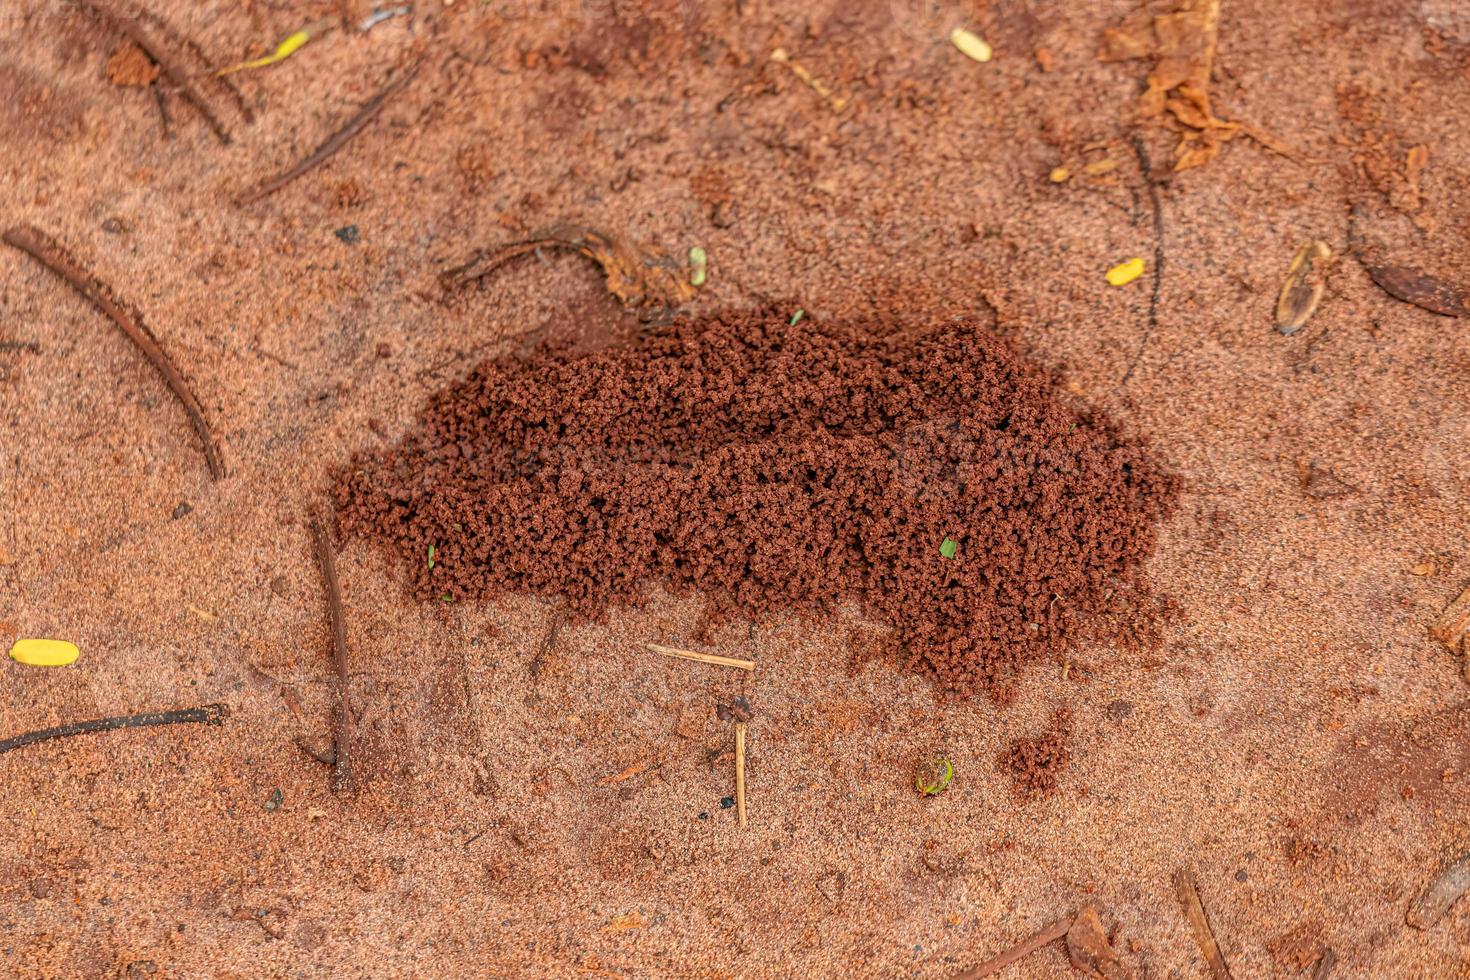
{"points": [[1241, 875], [274, 803], [183, 508], [727, 802], [348, 234], [704, 816]]}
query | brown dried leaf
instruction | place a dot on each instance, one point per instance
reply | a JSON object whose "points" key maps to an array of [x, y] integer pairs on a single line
{"points": [[1423, 291], [131, 66], [1088, 948], [638, 276], [1302, 290], [1444, 891]]}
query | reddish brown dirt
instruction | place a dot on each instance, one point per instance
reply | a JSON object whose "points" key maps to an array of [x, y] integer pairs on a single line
{"points": [[770, 468], [1294, 694], [1036, 764]]}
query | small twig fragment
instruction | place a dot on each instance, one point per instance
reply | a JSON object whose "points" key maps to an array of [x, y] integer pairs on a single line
{"points": [[635, 769], [45, 250], [1325, 964], [342, 767], [704, 658], [210, 714], [1048, 933], [1187, 889], [1444, 891], [334, 142], [172, 70], [1453, 626], [740, 771]]}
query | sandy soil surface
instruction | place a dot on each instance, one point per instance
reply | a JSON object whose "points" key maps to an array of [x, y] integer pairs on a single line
{"points": [[1292, 736]]}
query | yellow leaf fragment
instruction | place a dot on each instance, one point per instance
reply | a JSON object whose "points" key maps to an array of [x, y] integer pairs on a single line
{"points": [[44, 653], [971, 45], [782, 56], [1125, 272], [284, 50], [1302, 290], [1099, 167], [1059, 175]]}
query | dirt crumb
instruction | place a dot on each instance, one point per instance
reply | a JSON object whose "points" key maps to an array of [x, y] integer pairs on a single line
{"points": [[1036, 764]]}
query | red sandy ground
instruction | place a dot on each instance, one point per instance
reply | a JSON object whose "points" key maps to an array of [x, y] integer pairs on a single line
{"points": [[1293, 737]]}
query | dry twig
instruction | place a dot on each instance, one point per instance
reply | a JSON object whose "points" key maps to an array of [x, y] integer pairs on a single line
{"points": [[210, 714], [342, 767], [704, 658], [334, 142], [45, 250], [1049, 933], [1187, 888]]}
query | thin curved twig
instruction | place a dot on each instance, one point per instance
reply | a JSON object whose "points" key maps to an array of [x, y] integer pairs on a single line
{"points": [[334, 142], [45, 250], [341, 764]]}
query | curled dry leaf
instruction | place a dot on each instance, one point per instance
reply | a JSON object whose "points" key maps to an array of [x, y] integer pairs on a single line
{"points": [[1423, 291], [1183, 46], [1303, 288], [638, 276]]}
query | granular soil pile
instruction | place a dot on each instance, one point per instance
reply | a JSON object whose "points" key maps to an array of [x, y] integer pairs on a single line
{"points": [[927, 476]]}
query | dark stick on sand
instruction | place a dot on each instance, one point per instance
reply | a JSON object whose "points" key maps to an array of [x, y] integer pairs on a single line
{"points": [[46, 251], [341, 765], [334, 142], [210, 714]]}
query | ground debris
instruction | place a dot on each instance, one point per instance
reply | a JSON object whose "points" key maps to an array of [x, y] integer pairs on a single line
{"points": [[170, 67], [1187, 890], [1302, 290], [1444, 891], [1453, 629], [210, 714], [636, 275], [131, 67], [1418, 288], [1089, 950], [1183, 46], [46, 250], [1051, 932], [1320, 483], [1037, 763], [337, 140]]}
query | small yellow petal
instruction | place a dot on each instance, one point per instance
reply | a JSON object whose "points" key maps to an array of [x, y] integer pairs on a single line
{"points": [[1060, 175], [44, 653], [1125, 272], [970, 45]]}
